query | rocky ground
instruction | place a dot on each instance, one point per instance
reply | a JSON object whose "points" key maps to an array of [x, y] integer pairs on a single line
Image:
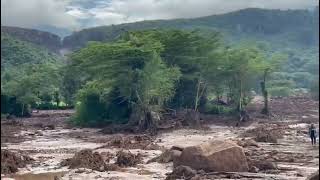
{"points": [[276, 148]]}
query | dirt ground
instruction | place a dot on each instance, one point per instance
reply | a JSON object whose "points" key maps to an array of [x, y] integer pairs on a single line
{"points": [[49, 140]]}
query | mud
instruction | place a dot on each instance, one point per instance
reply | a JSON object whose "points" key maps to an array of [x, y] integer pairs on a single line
{"points": [[290, 157], [11, 161], [128, 159], [133, 142], [86, 159]]}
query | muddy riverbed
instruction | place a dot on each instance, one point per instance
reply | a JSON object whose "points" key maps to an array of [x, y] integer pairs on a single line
{"points": [[48, 139]]}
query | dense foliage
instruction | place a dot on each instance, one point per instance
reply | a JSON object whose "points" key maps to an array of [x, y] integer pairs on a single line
{"points": [[145, 72], [29, 76]]}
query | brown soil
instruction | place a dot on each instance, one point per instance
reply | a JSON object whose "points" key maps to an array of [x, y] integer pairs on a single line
{"points": [[44, 120], [9, 129], [11, 161], [127, 159], [132, 142], [86, 159]]}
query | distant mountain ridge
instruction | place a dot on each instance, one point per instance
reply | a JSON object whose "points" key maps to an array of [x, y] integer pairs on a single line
{"points": [[282, 27], [298, 26], [40, 38]]}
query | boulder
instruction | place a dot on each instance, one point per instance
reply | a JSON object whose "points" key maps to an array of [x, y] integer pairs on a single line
{"points": [[314, 176], [214, 156]]}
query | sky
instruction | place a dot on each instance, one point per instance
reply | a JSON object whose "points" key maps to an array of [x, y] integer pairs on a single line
{"points": [[78, 14]]}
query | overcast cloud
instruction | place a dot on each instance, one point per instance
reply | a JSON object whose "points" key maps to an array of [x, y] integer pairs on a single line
{"points": [[74, 14]]}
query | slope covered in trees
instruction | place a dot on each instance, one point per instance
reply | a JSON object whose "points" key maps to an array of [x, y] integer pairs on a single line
{"points": [[29, 74], [47, 40], [15, 52]]}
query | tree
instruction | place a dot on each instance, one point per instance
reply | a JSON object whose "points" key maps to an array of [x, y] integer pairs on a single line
{"points": [[242, 65], [29, 83], [188, 50], [133, 68], [269, 66]]}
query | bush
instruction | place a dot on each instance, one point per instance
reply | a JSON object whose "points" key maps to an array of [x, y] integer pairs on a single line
{"points": [[211, 108], [90, 111], [93, 110]]}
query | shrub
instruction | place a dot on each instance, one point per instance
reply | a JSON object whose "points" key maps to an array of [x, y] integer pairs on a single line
{"points": [[211, 108], [95, 109], [91, 110]]}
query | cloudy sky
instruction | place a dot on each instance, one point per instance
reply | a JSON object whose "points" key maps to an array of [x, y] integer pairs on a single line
{"points": [[76, 14]]}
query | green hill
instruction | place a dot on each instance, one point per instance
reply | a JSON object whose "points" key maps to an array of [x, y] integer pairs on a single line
{"points": [[15, 52], [290, 28], [45, 39]]}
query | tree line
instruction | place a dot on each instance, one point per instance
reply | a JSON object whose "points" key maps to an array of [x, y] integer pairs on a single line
{"points": [[136, 77]]}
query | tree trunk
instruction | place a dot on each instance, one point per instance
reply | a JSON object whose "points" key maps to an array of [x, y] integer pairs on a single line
{"points": [[22, 110], [240, 98], [197, 96], [264, 91], [192, 118], [144, 120], [149, 123]]}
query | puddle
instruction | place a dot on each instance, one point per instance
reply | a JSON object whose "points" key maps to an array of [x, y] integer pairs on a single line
{"points": [[39, 176]]}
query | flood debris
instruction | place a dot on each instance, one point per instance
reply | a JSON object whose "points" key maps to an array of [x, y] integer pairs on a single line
{"points": [[168, 155], [182, 172], [127, 159], [247, 143], [86, 159], [143, 142], [11, 161], [266, 133]]}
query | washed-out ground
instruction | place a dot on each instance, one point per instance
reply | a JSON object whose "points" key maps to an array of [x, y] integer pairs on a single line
{"points": [[49, 145]]}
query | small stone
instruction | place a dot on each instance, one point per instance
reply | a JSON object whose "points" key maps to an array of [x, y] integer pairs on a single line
{"points": [[254, 169]]}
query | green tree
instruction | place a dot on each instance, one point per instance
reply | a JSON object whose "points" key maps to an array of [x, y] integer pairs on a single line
{"points": [[134, 68], [268, 67]]}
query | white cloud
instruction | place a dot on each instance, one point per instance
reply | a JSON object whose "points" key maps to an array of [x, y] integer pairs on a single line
{"points": [[71, 13], [123, 11], [32, 13]]}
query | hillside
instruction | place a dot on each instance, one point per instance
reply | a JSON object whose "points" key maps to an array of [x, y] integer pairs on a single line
{"points": [[41, 38], [16, 52], [290, 28]]}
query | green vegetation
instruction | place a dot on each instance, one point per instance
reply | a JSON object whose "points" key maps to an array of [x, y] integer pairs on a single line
{"points": [[29, 76], [144, 72], [15, 52], [131, 73]]}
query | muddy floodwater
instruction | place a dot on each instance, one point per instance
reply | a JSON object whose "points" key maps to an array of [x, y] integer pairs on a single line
{"points": [[293, 154]]}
